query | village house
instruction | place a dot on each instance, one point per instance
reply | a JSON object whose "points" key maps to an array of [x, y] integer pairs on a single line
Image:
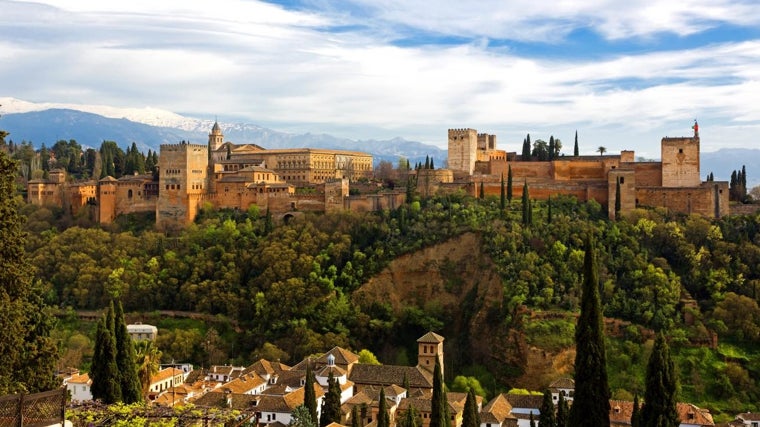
{"points": [[79, 386]]}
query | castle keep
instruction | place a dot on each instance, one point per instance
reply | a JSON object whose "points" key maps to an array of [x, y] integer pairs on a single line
{"points": [[673, 183]]}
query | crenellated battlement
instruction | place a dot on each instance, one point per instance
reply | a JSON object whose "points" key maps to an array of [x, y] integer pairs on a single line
{"points": [[181, 146]]}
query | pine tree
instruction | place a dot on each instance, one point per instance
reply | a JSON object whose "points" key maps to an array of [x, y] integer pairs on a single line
{"points": [[27, 353], [129, 382], [383, 419], [502, 195], [482, 194], [527, 219], [661, 386], [309, 396], [330, 403], [509, 184], [591, 403], [546, 417], [563, 411], [470, 417], [636, 413], [439, 412], [576, 153]]}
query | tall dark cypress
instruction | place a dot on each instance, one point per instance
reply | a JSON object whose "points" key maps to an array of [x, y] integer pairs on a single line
{"points": [[575, 149], [482, 194], [526, 207], [549, 210], [355, 421], [471, 417], [309, 396], [636, 413], [563, 411], [591, 403], [131, 388], [661, 387], [330, 403], [439, 411], [551, 152], [383, 418], [502, 195], [104, 371], [509, 184], [546, 417]]}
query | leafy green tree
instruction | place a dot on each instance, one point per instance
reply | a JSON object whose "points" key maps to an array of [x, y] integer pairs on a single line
{"points": [[439, 411], [591, 403], [301, 417], [129, 381], [330, 412], [549, 210], [28, 353], [148, 359], [563, 411], [465, 384], [367, 357], [471, 417], [309, 396], [383, 418], [546, 417], [660, 397]]}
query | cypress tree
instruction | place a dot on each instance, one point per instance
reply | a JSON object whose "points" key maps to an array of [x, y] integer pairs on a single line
{"points": [[636, 413], [439, 412], [229, 152], [309, 396], [617, 198], [503, 195], [546, 417], [591, 403], [383, 419], [482, 194], [470, 417], [532, 420], [563, 411], [427, 162], [526, 208], [661, 386], [355, 422], [129, 382], [509, 184], [575, 149], [331, 403], [411, 418], [104, 370], [432, 163], [549, 211], [551, 156], [28, 355]]}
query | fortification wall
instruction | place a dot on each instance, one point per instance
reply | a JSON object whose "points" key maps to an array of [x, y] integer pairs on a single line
{"points": [[543, 189], [627, 180], [648, 174], [374, 202], [522, 170], [680, 162], [566, 170], [709, 199]]}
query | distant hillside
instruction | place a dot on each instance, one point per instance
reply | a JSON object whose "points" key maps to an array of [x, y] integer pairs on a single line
{"points": [[722, 162], [49, 126]]}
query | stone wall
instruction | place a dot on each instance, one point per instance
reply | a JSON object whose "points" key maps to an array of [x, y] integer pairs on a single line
{"points": [[709, 199], [680, 162], [463, 144]]}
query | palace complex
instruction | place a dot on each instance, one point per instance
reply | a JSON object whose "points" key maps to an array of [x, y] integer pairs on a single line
{"points": [[226, 175]]}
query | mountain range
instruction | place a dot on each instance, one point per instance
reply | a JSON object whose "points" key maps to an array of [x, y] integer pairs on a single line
{"points": [[149, 128]]}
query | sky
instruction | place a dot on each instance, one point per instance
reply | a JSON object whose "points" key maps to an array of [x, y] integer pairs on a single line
{"points": [[623, 74]]}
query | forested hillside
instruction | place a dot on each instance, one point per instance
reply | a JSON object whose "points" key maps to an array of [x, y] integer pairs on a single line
{"points": [[504, 292]]}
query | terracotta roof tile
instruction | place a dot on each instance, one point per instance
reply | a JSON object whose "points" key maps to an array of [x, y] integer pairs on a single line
{"points": [[390, 374], [431, 337]]}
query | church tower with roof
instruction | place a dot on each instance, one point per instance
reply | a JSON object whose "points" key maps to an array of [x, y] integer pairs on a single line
{"points": [[430, 347]]}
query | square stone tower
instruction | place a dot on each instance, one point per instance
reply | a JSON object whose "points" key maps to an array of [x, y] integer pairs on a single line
{"points": [[430, 347], [680, 162], [182, 184], [463, 149]]}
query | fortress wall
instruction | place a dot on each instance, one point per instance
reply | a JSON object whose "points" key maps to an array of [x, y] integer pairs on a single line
{"points": [[648, 174], [522, 170], [538, 190], [565, 170], [374, 202], [709, 199], [680, 162]]}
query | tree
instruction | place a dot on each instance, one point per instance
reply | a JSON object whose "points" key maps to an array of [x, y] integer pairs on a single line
{"points": [[367, 357], [330, 403], [355, 422], [601, 150], [439, 412], [526, 149], [471, 417], [129, 382], [309, 396], [502, 195], [549, 210], [411, 418], [546, 417], [551, 152], [527, 211], [532, 420], [482, 193], [301, 417], [148, 359], [591, 403], [383, 419], [563, 411], [28, 353], [575, 149], [509, 184], [104, 371], [661, 388], [636, 413], [540, 150]]}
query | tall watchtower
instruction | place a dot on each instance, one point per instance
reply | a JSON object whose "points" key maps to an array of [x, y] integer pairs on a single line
{"points": [[463, 148], [680, 161], [182, 183], [430, 347], [215, 140]]}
